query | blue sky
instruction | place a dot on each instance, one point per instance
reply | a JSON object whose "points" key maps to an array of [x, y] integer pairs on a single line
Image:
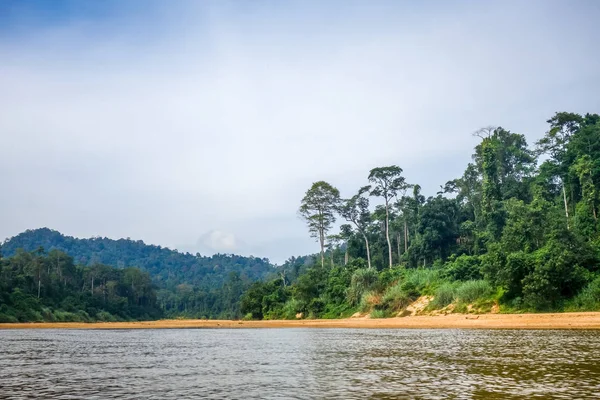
{"points": [[199, 125]]}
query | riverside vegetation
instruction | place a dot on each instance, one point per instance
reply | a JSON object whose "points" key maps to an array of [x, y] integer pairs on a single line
{"points": [[517, 232], [46, 276]]}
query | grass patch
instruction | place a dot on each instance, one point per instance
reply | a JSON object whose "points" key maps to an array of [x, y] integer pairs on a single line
{"points": [[419, 282], [338, 311], [369, 301], [470, 291], [379, 314], [361, 282], [290, 309], [395, 298], [444, 295], [588, 299]]}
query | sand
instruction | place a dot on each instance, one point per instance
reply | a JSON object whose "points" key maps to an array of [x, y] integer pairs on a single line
{"points": [[580, 320]]}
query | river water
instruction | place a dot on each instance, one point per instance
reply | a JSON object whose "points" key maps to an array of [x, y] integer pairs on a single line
{"points": [[299, 364]]}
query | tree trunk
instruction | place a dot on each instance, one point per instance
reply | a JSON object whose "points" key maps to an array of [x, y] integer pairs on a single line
{"points": [[322, 242], [573, 203], [368, 251], [398, 241], [39, 286], [92, 285], [405, 236], [387, 232], [346, 256], [566, 204]]}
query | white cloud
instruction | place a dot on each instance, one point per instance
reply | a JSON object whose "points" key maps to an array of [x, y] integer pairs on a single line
{"points": [[218, 241]]}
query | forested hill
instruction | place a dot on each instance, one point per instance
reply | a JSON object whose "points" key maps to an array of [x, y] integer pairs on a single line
{"points": [[167, 267]]}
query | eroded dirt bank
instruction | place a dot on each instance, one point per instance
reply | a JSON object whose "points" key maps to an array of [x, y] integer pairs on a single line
{"points": [[582, 320]]}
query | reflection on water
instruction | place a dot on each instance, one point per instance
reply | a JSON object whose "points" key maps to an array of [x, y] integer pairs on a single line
{"points": [[299, 364]]}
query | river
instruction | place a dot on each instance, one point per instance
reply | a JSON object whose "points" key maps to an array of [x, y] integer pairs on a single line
{"points": [[299, 364]]}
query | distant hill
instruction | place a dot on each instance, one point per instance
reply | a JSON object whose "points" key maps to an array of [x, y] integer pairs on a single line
{"points": [[167, 267]]}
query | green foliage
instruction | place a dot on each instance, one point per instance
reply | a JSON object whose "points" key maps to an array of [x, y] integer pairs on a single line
{"points": [[7, 318], [379, 314], [463, 268], [168, 268], [506, 231], [444, 295], [417, 282], [265, 300], [318, 209], [290, 309], [188, 285], [470, 291], [588, 299], [396, 298], [49, 287], [369, 301], [105, 316], [362, 281], [388, 277]]}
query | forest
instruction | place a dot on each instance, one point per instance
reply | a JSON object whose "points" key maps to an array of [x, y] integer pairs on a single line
{"points": [[518, 231], [57, 273], [36, 286]]}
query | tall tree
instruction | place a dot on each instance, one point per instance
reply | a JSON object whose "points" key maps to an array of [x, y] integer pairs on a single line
{"points": [[387, 182], [563, 126], [345, 234], [356, 211], [318, 209]]}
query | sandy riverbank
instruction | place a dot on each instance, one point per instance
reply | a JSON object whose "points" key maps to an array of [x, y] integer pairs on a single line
{"points": [[587, 320]]}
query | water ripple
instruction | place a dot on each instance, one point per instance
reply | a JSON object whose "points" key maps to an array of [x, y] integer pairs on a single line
{"points": [[299, 364]]}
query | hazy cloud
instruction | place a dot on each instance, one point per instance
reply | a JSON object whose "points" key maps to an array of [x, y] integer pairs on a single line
{"points": [[164, 123], [218, 242]]}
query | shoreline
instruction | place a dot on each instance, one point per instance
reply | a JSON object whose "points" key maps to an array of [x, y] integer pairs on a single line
{"points": [[575, 320]]}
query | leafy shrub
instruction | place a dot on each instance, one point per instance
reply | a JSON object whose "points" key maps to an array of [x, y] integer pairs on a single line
{"points": [[463, 268], [378, 314], [362, 281], [470, 291], [7, 318], [316, 308], [48, 315], [417, 282], [83, 316], [105, 317], [588, 299], [444, 295], [395, 298], [29, 316], [290, 309], [389, 276], [368, 301], [333, 311], [66, 316]]}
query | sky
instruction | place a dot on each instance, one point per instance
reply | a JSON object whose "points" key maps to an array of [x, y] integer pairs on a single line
{"points": [[199, 125]]}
